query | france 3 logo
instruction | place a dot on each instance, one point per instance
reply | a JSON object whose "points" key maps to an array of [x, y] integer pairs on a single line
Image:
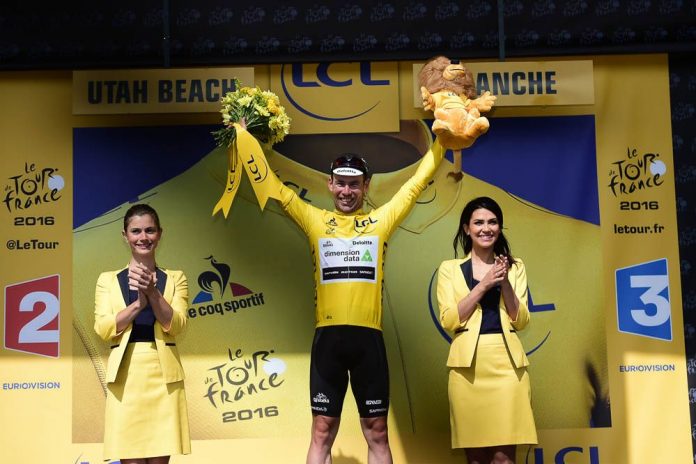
{"points": [[643, 301], [32, 316]]}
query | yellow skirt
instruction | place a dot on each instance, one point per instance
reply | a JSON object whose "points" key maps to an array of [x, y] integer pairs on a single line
{"points": [[490, 402], [144, 416]]}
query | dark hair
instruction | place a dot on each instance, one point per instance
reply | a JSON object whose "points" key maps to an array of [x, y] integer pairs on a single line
{"points": [[501, 246], [351, 160], [141, 210]]}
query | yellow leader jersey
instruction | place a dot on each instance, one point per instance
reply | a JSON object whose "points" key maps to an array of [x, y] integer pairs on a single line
{"points": [[349, 250]]}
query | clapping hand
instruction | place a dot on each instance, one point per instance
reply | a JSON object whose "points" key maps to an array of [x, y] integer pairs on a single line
{"points": [[142, 279], [497, 274]]}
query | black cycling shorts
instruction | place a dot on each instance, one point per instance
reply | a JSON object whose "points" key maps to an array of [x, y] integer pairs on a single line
{"points": [[344, 352]]}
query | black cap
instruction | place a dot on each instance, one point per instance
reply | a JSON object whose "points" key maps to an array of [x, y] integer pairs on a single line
{"points": [[349, 164]]}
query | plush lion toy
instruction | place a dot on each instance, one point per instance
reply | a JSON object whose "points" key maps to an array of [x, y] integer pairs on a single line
{"points": [[447, 89]]}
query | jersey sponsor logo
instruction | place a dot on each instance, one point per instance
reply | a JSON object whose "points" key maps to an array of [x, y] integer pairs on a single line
{"points": [[32, 316], [373, 402], [364, 225], [321, 398], [216, 287], [331, 229], [342, 260], [642, 300]]}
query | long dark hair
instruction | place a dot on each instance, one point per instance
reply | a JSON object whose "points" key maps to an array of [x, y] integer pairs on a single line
{"points": [[501, 247], [141, 210]]}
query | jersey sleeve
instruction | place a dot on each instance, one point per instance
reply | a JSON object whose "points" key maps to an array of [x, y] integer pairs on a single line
{"points": [[396, 209], [296, 208]]}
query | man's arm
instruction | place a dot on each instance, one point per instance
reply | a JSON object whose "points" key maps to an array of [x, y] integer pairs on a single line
{"points": [[296, 208], [401, 203]]}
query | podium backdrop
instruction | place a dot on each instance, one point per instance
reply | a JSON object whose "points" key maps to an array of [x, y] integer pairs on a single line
{"points": [[586, 184]]}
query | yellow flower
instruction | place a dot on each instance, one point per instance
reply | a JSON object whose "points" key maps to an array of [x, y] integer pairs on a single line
{"points": [[270, 122], [272, 106], [244, 101]]}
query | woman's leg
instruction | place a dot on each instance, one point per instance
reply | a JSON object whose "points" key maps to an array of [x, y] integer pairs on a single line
{"points": [[503, 454], [158, 460], [479, 455]]}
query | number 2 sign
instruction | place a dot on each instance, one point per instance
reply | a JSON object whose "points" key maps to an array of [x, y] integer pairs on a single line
{"points": [[32, 311]]}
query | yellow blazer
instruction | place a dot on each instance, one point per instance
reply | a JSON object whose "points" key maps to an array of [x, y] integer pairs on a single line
{"points": [[111, 297], [452, 287]]}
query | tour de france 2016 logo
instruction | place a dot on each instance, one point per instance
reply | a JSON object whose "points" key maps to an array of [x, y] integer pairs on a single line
{"points": [[637, 172], [216, 289], [244, 376], [32, 316], [643, 300], [32, 187]]}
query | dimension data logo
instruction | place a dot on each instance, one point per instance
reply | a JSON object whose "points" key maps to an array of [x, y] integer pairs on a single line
{"points": [[642, 300], [220, 296]]}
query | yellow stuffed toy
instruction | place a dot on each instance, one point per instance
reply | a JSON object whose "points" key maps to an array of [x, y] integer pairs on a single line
{"points": [[447, 88]]}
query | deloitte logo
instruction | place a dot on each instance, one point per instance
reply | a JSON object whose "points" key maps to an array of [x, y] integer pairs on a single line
{"points": [[220, 296]]}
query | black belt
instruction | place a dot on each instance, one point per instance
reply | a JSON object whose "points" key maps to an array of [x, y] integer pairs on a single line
{"points": [[465, 329], [166, 344]]}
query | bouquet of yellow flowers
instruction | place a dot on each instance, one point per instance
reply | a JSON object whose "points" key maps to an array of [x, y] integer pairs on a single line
{"points": [[259, 111]]}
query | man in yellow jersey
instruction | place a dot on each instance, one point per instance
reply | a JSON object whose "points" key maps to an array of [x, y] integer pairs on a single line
{"points": [[348, 247]]}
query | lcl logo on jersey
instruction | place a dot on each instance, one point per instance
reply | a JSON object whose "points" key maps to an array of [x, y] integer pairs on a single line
{"points": [[364, 225], [339, 97], [32, 316], [642, 300]]}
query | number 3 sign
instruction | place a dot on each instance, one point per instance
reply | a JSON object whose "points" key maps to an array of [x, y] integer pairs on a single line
{"points": [[642, 300], [32, 311]]}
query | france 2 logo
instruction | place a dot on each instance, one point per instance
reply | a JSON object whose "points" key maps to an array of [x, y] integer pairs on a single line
{"points": [[642, 300], [32, 311]]}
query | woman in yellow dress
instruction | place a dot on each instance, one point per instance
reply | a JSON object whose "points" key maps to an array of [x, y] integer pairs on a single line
{"points": [[483, 303], [139, 310]]}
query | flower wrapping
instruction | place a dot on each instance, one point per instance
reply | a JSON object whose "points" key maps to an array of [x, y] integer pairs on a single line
{"points": [[250, 116]]}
